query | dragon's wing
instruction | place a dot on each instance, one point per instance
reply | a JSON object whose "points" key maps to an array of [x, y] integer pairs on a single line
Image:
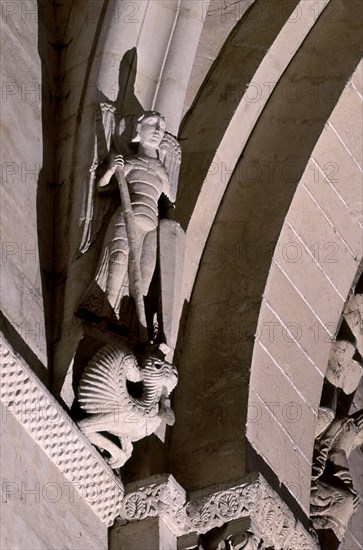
{"points": [[170, 155], [96, 206], [102, 388]]}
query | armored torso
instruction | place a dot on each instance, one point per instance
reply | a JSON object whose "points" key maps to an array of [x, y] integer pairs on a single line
{"points": [[147, 179]]}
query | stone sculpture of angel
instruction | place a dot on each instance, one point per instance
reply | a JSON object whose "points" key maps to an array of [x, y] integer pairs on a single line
{"points": [[129, 253]]}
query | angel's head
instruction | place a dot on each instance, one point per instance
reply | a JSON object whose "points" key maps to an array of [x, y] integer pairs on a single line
{"points": [[150, 129]]}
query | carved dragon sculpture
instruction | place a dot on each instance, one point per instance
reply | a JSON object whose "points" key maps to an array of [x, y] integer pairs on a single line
{"points": [[103, 393]]}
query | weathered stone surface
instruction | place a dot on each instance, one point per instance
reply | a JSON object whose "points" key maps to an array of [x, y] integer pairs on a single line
{"points": [[288, 407], [282, 341], [279, 450], [333, 158], [289, 306], [347, 120], [322, 181], [148, 533], [320, 249], [40, 507], [21, 162], [219, 20]]}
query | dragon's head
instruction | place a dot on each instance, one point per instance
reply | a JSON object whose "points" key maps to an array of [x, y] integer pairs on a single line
{"points": [[156, 372]]}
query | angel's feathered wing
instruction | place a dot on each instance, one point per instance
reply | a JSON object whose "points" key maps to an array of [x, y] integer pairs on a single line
{"points": [[102, 388], [96, 206], [170, 155]]}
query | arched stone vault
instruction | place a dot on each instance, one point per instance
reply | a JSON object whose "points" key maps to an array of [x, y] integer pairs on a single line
{"points": [[257, 108], [316, 262], [217, 344]]}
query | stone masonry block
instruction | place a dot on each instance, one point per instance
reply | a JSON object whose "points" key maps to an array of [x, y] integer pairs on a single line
{"points": [[283, 343], [315, 340]]}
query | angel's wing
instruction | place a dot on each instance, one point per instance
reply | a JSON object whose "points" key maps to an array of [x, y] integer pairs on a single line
{"points": [[96, 206], [170, 155], [102, 388]]}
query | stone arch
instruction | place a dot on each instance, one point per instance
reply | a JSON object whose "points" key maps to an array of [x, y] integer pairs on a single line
{"points": [[316, 262], [216, 347]]}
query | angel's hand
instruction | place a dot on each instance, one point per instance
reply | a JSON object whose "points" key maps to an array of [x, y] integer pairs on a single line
{"points": [[110, 165], [114, 161]]}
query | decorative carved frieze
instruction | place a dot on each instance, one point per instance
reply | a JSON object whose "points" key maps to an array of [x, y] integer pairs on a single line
{"points": [[254, 499], [161, 496], [26, 398]]}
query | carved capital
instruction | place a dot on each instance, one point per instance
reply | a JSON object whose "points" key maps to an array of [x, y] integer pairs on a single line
{"points": [[161, 496], [254, 499], [272, 524]]}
